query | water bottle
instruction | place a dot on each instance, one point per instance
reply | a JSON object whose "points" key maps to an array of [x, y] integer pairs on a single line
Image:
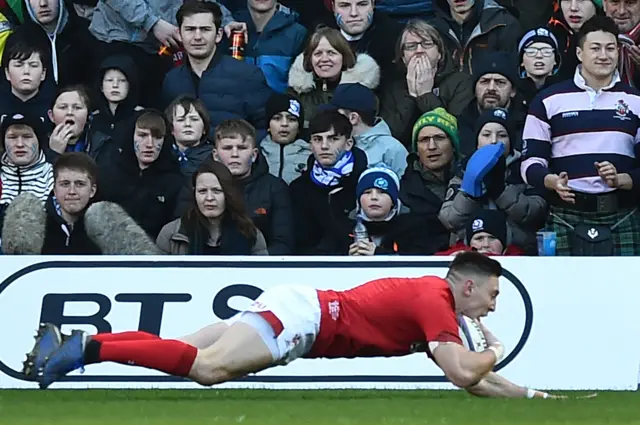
{"points": [[360, 232]]}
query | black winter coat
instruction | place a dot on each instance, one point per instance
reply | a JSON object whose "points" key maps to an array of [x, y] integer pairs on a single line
{"points": [[315, 207], [149, 196], [268, 204], [60, 240]]}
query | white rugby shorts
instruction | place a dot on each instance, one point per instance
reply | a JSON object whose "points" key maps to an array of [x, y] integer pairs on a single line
{"points": [[291, 323]]}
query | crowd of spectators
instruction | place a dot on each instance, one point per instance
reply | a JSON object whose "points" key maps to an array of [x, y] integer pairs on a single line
{"points": [[435, 126]]}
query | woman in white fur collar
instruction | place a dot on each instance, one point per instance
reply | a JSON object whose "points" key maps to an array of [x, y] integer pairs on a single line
{"points": [[326, 62]]}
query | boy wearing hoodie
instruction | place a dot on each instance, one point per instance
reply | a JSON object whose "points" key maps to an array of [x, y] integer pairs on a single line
{"points": [[370, 133]]}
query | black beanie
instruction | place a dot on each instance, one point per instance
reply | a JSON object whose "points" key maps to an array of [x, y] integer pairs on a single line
{"points": [[493, 222], [539, 35], [496, 62], [500, 116], [283, 102]]}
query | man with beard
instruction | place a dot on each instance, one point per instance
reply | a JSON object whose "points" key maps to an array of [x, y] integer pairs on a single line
{"points": [[626, 15], [495, 83], [229, 88]]}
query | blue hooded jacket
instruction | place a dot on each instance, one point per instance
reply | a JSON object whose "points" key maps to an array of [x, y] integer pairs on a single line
{"points": [[275, 48]]}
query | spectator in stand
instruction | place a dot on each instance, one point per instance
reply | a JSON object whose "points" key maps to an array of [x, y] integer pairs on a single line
{"points": [[275, 39], [405, 10], [370, 133], [540, 60], [328, 185], [24, 69], [495, 84], [142, 29], [117, 102], [530, 14], [471, 28], [582, 140], [266, 197], [190, 127], [501, 186], [53, 24], [24, 167], [311, 13], [326, 62], [73, 132], [368, 31], [215, 223], [429, 80], [391, 228], [285, 152], [486, 232], [431, 165], [568, 17], [626, 15], [145, 179], [229, 88], [75, 186]]}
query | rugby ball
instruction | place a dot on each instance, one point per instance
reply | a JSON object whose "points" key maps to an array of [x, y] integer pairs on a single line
{"points": [[471, 334]]}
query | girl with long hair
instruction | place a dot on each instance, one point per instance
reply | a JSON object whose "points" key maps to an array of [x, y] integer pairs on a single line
{"points": [[216, 222]]}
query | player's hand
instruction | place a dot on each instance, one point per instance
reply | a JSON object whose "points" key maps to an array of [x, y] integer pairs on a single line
{"points": [[237, 26], [60, 137], [608, 172]]}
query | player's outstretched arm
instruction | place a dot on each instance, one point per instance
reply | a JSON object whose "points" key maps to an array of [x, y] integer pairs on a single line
{"points": [[462, 367], [495, 386]]}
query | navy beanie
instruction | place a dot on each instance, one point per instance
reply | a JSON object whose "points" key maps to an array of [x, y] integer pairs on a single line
{"points": [[284, 102], [493, 222], [382, 178], [500, 116]]}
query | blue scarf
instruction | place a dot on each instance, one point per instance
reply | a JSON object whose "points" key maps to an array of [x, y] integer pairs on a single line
{"points": [[330, 177]]}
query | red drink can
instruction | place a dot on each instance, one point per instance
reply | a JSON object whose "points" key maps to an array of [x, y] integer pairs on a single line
{"points": [[237, 45]]}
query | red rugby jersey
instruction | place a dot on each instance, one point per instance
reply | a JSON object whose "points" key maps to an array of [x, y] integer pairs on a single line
{"points": [[386, 317]]}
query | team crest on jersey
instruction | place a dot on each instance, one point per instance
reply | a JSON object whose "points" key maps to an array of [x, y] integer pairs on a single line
{"points": [[622, 110]]}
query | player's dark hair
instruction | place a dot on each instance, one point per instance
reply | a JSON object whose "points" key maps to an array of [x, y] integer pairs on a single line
{"points": [[597, 23], [474, 263], [328, 120]]}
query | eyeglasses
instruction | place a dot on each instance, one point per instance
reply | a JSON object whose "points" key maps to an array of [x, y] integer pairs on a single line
{"points": [[547, 52], [426, 45]]}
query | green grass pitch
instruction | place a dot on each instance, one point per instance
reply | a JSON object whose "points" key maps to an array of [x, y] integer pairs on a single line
{"points": [[331, 407]]}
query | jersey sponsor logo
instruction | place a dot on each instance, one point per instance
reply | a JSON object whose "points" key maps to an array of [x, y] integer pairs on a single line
{"points": [[173, 298], [334, 309]]}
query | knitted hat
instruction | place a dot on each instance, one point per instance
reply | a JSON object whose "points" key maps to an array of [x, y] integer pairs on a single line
{"points": [[379, 177], [283, 102], [493, 222], [36, 124], [441, 119], [539, 35], [495, 62], [500, 116]]}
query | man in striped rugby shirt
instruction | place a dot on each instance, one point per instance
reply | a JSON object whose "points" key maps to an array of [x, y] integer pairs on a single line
{"points": [[582, 144]]}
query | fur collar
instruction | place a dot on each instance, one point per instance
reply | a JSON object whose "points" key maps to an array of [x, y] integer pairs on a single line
{"points": [[366, 72]]}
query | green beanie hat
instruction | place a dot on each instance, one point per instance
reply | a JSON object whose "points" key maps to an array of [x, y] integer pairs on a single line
{"points": [[598, 3], [441, 119]]}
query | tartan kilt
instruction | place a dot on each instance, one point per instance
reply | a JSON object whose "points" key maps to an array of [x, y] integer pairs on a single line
{"points": [[626, 237]]}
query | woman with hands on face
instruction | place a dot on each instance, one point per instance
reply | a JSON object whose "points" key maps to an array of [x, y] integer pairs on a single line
{"points": [[70, 115], [428, 80]]}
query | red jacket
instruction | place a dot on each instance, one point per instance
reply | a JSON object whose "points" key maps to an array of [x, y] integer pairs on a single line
{"points": [[512, 250]]}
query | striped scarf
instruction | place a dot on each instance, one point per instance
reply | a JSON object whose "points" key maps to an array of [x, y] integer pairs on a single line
{"points": [[36, 178], [330, 177]]}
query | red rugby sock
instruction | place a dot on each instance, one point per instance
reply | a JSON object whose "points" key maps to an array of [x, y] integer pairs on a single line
{"points": [[124, 336], [166, 355]]}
